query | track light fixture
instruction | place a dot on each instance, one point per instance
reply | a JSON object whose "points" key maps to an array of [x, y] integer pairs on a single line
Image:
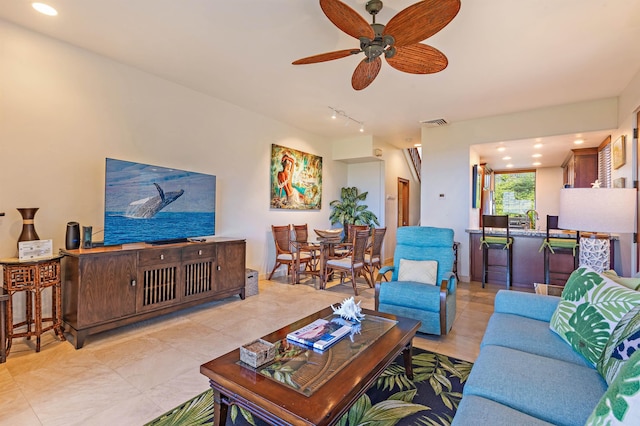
{"points": [[335, 113]]}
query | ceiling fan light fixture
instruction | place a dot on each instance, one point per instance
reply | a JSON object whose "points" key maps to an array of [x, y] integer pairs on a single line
{"points": [[390, 52]]}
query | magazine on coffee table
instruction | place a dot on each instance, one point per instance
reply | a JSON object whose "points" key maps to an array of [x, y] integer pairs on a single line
{"points": [[321, 333]]}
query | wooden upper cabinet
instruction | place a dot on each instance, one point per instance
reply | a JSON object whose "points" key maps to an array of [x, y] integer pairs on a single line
{"points": [[581, 167]]}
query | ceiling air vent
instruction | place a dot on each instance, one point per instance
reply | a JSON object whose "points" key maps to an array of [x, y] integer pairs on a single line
{"points": [[435, 123]]}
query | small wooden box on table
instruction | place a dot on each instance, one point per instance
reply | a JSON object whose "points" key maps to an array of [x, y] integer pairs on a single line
{"points": [[32, 277]]}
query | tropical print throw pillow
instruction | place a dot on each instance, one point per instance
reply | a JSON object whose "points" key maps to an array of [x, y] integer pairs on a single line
{"points": [[620, 404], [624, 341], [591, 307]]}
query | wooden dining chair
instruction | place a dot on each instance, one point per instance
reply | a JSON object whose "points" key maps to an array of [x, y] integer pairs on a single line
{"points": [[373, 255], [352, 264], [300, 233], [301, 236], [350, 232], [284, 254]]}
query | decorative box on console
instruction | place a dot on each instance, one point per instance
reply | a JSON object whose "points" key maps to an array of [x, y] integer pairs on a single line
{"points": [[257, 352], [251, 285]]}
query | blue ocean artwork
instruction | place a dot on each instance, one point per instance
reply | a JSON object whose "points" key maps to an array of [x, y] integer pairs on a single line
{"points": [[163, 226]]}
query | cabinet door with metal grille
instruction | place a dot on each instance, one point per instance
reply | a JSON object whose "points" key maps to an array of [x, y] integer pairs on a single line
{"points": [[198, 264], [158, 278]]}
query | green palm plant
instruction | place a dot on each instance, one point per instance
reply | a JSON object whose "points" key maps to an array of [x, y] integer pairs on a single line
{"points": [[348, 210]]}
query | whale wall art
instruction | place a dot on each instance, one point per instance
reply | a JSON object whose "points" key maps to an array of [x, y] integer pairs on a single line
{"points": [[145, 203]]}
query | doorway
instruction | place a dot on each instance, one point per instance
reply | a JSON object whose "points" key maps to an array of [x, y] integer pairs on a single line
{"points": [[403, 202]]}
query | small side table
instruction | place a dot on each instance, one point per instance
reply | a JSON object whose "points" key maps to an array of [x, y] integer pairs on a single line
{"points": [[32, 277]]}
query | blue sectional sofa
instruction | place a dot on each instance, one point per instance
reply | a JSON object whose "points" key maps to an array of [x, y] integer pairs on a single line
{"points": [[526, 374]]}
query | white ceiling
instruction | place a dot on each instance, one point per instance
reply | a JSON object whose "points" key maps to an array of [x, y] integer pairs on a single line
{"points": [[504, 56], [548, 151]]}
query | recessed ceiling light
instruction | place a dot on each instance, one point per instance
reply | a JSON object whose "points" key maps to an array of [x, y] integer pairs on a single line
{"points": [[502, 148], [417, 145], [537, 163], [578, 142], [509, 166], [538, 145], [44, 9], [537, 155], [506, 158]]}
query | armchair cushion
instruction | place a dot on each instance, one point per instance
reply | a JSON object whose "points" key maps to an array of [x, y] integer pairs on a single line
{"points": [[421, 271], [410, 294]]}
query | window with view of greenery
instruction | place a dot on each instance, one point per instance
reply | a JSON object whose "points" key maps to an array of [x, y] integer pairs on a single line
{"points": [[515, 192]]}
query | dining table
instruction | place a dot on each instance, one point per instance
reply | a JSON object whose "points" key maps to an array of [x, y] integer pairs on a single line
{"points": [[321, 250]]}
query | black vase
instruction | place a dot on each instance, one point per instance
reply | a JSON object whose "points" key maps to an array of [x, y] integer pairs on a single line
{"points": [[28, 229]]}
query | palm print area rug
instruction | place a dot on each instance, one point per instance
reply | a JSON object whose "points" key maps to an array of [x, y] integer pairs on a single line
{"points": [[431, 398]]}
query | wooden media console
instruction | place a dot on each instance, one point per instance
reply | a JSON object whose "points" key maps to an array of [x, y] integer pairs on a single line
{"points": [[108, 287]]}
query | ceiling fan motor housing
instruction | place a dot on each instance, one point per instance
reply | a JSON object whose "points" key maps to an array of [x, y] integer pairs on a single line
{"points": [[376, 47]]}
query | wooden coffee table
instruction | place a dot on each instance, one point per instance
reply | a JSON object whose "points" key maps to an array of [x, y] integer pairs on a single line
{"points": [[324, 385]]}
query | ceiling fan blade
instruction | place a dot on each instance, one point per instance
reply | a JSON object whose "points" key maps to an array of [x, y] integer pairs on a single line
{"points": [[418, 58], [329, 56], [365, 73], [421, 20], [347, 19]]}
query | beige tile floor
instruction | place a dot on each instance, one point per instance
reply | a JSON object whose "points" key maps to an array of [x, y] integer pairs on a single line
{"points": [[133, 374]]}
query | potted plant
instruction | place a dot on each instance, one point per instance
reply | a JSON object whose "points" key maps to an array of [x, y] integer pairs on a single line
{"points": [[348, 210]]}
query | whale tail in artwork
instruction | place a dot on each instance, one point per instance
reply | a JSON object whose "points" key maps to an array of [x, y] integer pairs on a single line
{"points": [[148, 207]]}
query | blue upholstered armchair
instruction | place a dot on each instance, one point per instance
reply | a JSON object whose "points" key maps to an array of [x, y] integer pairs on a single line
{"points": [[408, 294]]}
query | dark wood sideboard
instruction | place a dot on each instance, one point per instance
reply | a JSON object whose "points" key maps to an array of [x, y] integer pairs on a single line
{"points": [[108, 287]]}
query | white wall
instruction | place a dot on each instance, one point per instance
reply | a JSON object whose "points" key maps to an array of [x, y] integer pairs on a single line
{"points": [[63, 110], [549, 181], [447, 156], [628, 106], [369, 177], [396, 166]]}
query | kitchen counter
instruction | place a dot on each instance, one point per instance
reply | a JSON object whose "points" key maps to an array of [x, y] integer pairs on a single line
{"points": [[517, 232], [528, 260]]}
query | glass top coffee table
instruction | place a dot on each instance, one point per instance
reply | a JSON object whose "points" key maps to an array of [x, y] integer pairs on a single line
{"points": [[305, 386]]}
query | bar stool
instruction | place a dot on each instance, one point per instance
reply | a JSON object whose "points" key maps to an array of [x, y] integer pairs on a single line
{"points": [[569, 246], [493, 242]]}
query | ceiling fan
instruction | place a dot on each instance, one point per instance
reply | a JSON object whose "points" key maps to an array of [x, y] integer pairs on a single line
{"points": [[398, 41]]}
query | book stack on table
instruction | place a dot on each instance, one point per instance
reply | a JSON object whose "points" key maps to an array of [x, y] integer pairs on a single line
{"points": [[320, 334]]}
